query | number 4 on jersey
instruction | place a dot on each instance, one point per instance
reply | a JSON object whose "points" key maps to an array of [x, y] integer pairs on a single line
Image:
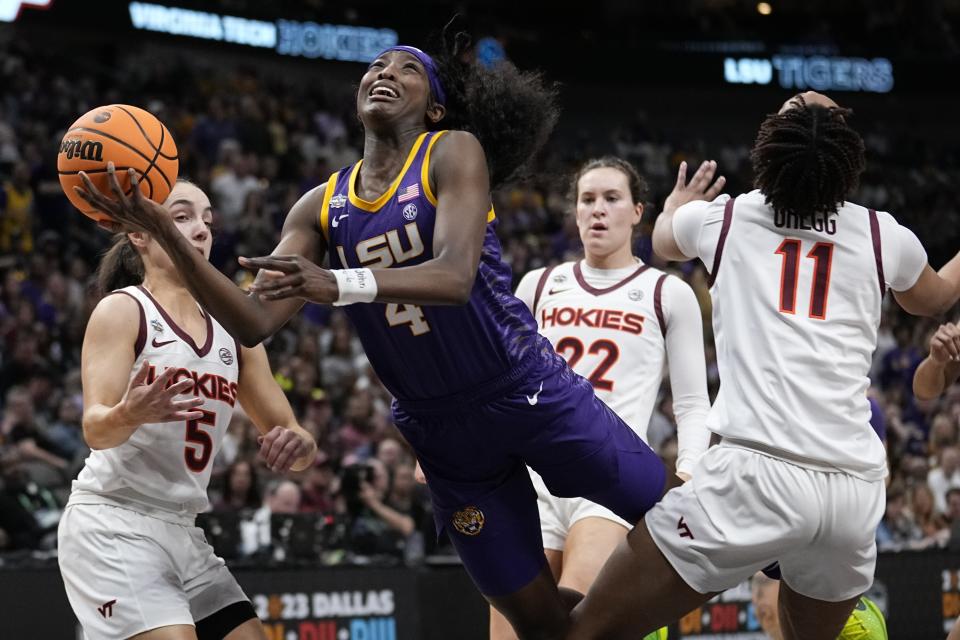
{"points": [[410, 314], [822, 256]]}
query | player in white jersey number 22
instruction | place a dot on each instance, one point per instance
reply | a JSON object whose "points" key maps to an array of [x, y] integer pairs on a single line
{"points": [[618, 322], [160, 381], [797, 278]]}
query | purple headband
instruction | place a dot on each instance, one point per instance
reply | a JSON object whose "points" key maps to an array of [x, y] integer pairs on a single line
{"points": [[432, 75]]}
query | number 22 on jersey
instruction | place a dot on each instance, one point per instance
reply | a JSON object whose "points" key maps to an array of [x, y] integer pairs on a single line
{"points": [[822, 256]]}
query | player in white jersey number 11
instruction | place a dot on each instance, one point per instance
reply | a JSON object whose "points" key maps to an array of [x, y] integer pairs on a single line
{"points": [[797, 275], [160, 381]]}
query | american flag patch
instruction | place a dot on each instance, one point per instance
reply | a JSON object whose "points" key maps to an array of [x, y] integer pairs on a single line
{"points": [[408, 193]]}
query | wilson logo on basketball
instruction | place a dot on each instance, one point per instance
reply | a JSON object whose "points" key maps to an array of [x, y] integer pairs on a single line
{"points": [[82, 149]]}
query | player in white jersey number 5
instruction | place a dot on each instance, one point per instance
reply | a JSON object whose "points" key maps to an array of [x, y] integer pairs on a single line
{"points": [[617, 321], [797, 277], [160, 381]]}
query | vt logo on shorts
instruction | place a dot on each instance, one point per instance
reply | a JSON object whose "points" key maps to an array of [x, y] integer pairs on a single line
{"points": [[684, 529], [468, 521], [106, 609]]}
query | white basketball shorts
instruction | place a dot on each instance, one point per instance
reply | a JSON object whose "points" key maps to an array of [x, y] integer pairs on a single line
{"points": [[126, 572], [558, 515], [744, 510]]}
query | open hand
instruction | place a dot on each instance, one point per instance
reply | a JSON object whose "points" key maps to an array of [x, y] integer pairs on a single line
{"points": [[945, 344], [131, 212], [155, 402], [701, 186], [292, 277]]}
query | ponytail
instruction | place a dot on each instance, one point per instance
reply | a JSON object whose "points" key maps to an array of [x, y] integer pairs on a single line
{"points": [[121, 266]]}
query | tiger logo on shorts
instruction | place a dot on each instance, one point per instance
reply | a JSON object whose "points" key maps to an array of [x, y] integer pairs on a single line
{"points": [[468, 521]]}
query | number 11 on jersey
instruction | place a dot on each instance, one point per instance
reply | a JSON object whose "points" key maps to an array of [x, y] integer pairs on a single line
{"points": [[822, 256]]}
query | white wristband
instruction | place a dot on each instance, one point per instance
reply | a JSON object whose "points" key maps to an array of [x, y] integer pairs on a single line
{"points": [[354, 285]]}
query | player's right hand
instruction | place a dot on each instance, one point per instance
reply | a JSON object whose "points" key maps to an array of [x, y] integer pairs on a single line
{"points": [[945, 344], [133, 212], [145, 402], [702, 186]]}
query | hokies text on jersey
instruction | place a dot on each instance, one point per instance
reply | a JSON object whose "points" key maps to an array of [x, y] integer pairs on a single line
{"points": [[594, 318], [208, 385]]}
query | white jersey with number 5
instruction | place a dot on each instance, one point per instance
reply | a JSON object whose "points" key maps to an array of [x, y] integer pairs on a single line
{"points": [[796, 307], [614, 328], [165, 467]]}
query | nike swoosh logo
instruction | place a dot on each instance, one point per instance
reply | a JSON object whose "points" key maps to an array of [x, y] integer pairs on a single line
{"points": [[336, 221], [554, 291], [535, 398], [161, 344]]}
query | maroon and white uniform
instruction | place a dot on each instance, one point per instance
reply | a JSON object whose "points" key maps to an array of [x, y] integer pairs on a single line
{"points": [[798, 476], [127, 538], [620, 328]]}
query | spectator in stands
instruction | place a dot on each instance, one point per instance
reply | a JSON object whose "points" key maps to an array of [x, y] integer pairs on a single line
{"points": [[931, 522], [16, 216], [897, 529], [66, 432], [31, 451], [319, 486], [945, 476], [241, 488], [953, 517]]}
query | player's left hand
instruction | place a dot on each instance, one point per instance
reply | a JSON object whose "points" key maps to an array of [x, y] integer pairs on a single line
{"points": [[292, 277], [281, 448]]}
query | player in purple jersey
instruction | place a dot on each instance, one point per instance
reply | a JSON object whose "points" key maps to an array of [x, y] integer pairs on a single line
{"points": [[479, 393]]}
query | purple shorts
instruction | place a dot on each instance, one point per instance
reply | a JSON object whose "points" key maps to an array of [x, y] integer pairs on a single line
{"points": [[474, 461]]}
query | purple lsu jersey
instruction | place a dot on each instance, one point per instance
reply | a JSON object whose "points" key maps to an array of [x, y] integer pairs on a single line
{"points": [[444, 354]]}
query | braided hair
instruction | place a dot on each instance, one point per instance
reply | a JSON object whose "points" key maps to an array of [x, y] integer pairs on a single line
{"points": [[807, 159], [511, 112]]}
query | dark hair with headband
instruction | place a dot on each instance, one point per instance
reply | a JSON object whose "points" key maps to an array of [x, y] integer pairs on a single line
{"points": [[511, 112]]}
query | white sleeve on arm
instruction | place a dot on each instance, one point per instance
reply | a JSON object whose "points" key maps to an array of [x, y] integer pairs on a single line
{"points": [[688, 371], [696, 228], [527, 289], [904, 258]]}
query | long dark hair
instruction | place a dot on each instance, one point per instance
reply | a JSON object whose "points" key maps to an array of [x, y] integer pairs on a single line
{"points": [[807, 159], [511, 112], [121, 266]]}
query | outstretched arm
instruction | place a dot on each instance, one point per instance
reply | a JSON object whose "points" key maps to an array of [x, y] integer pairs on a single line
{"points": [[688, 378], [285, 445], [701, 187], [462, 182], [114, 404], [247, 317]]}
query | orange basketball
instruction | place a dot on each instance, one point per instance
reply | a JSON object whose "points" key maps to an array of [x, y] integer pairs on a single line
{"points": [[128, 136]]}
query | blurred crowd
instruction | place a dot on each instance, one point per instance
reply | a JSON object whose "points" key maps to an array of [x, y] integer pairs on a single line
{"points": [[255, 143]]}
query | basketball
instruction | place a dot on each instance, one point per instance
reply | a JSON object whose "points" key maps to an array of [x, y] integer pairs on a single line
{"points": [[129, 137]]}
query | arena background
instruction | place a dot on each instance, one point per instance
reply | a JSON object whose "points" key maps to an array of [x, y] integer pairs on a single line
{"points": [[259, 97]]}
